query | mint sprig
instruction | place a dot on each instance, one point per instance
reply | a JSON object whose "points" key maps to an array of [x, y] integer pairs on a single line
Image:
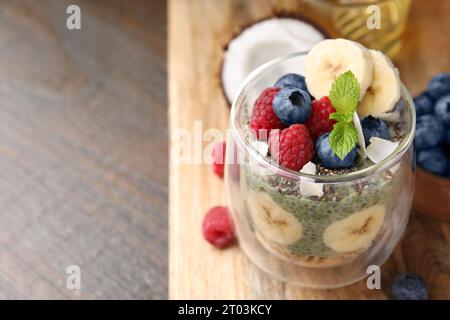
{"points": [[344, 93], [344, 96], [343, 138], [342, 117]]}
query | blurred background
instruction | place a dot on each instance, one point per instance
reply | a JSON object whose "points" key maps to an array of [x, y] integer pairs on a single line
{"points": [[83, 149]]}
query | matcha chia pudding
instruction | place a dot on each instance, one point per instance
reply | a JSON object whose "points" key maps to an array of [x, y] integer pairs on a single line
{"points": [[321, 181]]}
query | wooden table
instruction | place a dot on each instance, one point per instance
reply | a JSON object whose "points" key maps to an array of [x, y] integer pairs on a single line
{"points": [[83, 149], [198, 29]]}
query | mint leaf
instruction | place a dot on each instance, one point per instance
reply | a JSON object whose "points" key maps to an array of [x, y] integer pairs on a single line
{"points": [[344, 94], [342, 117], [343, 138], [344, 97]]}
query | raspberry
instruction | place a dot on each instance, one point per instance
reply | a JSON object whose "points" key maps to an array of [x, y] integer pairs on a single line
{"points": [[218, 227], [218, 154], [263, 116], [292, 147], [319, 121]]}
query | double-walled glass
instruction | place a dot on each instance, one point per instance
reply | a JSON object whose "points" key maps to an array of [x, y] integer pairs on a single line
{"points": [[319, 231]]}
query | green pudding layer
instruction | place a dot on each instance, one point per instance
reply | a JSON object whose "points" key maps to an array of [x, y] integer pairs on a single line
{"points": [[339, 201]]}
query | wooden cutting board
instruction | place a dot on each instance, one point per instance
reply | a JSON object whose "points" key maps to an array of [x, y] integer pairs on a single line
{"points": [[198, 30]]}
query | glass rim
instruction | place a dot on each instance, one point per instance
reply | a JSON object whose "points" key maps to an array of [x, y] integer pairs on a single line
{"points": [[385, 164]]}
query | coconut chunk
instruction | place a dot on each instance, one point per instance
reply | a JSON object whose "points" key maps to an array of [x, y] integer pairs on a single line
{"points": [[379, 149], [261, 146], [308, 187], [309, 168]]}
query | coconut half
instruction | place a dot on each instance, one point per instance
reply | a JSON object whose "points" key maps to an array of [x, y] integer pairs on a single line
{"points": [[261, 42]]}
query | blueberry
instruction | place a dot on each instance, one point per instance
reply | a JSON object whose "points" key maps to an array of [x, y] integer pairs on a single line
{"points": [[424, 104], [439, 85], [442, 109], [433, 160], [292, 105], [293, 80], [409, 286], [442, 77], [328, 158], [447, 137], [429, 131], [373, 127]]}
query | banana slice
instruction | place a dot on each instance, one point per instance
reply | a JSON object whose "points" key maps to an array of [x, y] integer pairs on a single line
{"points": [[272, 221], [384, 91], [330, 58], [356, 231]]}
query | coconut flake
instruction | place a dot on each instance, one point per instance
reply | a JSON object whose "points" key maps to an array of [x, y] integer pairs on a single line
{"points": [[308, 187], [358, 127], [309, 168], [379, 149], [261, 146], [262, 42]]}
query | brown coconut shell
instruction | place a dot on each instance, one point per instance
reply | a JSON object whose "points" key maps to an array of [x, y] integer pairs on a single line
{"points": [[432, 195]]}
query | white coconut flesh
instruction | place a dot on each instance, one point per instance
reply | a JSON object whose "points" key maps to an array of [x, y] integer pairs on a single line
{"points": [[308, 187], [261, 146], [379, 149], [261, 42]]}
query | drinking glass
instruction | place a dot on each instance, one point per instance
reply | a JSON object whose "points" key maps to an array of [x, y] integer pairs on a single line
{"points": [[306, 238]]}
